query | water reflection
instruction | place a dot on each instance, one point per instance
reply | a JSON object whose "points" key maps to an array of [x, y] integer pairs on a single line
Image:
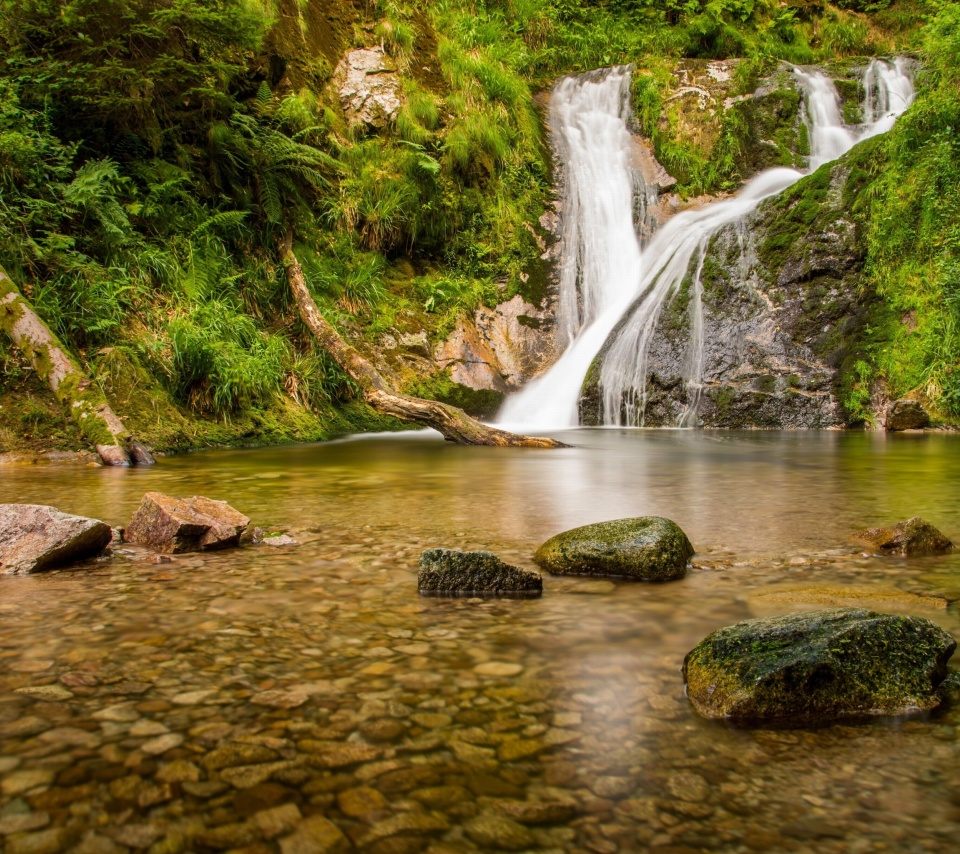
{"points": [[566, 712]]}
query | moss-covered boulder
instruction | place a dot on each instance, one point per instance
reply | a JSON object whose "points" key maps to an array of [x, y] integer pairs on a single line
{"points": [[648, 548], [914, 537], [818, 666], [906, 415], [451, 572]]}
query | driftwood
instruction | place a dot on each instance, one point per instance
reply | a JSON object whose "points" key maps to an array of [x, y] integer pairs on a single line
{"points": [[98, 423], [455, 425]]}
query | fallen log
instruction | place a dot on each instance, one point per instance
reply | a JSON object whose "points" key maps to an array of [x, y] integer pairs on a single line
{"points": [[455, 425], [98, 423]]}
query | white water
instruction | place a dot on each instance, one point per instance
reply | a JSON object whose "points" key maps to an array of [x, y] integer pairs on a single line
{"points": [[620, 286], [600, 266]]}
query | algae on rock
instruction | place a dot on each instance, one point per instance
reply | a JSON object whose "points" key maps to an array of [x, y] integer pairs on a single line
{"points": [[815, 667]]}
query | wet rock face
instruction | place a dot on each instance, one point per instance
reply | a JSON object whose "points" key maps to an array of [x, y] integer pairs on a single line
{"points": [[913, 537], [648, 548], [368, 86], [906, 415], [458, 573], [782, 308], [818, 666], [35, 537], [178, 525]]}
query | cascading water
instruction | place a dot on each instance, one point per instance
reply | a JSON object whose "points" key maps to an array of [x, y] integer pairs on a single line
{"points": [[601, 260], [626, 290]]}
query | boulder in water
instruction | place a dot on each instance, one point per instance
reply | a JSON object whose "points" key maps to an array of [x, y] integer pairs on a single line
{"points": [[648, 548], [911, 538], [178, 525], [479, 573], [816, 667], [906, 415], [35, 537]]}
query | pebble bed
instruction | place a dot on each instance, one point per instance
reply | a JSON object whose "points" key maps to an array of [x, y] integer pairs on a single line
{"points": [[304, 698]]}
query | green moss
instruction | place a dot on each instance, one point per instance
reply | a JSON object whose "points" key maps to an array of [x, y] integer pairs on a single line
{"points": [[481, 403], [819, 666]]}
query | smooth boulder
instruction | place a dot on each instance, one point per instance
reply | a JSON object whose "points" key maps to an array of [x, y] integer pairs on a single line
{"points": [[913, 537], [35, 537], [176, 525], [648, 548], [476, 573], [816, 667], [906, 415]]}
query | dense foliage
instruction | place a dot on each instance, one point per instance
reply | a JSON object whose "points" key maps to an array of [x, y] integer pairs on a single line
{"points": [[152, 152]]}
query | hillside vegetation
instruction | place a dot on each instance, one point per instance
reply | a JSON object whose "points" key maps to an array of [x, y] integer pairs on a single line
{"points": [[153, 153]]}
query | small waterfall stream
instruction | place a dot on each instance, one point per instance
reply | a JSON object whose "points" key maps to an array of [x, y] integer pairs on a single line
{"points": [[607, 283]]}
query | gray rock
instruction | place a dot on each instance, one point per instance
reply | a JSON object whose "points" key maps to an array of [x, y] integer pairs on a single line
{"points": [[35, 537], [906, 415], [454, 572], [913, 537], [177, 525], [815, 667], [416, 342], [648, 548], [368, 86]]}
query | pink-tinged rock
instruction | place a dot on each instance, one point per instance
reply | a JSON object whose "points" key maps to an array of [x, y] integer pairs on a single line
{"points": [[177, 525], [34, 537]]}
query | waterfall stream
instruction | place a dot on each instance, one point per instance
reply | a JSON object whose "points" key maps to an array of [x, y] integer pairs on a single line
{"points": [[607, 283]]}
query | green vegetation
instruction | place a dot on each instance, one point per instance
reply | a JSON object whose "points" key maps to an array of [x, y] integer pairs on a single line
{"points": [[153, 152], [912, 207]]}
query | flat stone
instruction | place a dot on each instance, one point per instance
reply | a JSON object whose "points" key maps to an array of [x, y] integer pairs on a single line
{"points": [[276, 821], [70, 736], [193, 698], [228, 836], [340, 755], [361, 801], [854, 596], [280, 699], [498, 668], [177, 525], [124, 713], [136, 835], [520, 748], [315, 835], [474, 573], [539, 812], [613, 788], [50, 693], [23, 823], [246, 776], [156, 746], [277, 540], [499, 833], [178, 771], [204, 789], [36, 537], [236, 753], [647, 548], [142, 729], [42, 842], [406, 824], [688, 786], [18, 782], [24, 727]]}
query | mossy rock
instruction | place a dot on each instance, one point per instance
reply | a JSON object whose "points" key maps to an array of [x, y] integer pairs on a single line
{"points": [[648, 548], [451, 572], [817, 667]]}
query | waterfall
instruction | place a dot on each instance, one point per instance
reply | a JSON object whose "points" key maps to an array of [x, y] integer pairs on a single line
{"points": [[621, 290], [600, 264]]}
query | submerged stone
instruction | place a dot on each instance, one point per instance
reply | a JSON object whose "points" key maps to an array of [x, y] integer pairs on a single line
{"points": [[35, 537], [913, 537], [185, 524], [454, 572], [906, 415], [818, 666], [648, 548]]}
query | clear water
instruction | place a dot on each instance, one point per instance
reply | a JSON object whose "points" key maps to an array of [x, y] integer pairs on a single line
{"points": [[594, 691]]}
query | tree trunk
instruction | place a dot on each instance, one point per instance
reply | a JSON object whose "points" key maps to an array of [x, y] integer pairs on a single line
{"points": [[98, 423], [454, 424]]}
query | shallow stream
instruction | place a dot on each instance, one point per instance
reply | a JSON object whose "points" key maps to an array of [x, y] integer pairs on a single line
{"points": [[455, 725]]}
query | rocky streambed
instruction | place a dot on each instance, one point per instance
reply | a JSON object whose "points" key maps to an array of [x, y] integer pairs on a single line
{"points": [[307, 699]]}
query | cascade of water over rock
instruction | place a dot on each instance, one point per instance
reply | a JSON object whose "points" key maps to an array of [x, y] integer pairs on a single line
{"points": [[611, 292]]}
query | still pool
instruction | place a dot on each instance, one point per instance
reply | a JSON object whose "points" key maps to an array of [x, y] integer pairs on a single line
{"points": [[306, 699]]}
